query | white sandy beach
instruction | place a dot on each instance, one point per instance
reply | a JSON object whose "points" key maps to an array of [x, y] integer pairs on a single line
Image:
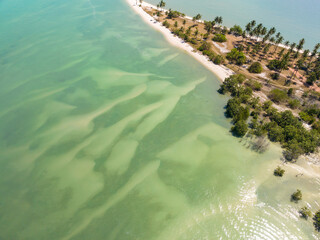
{"points": [[221, 72]]}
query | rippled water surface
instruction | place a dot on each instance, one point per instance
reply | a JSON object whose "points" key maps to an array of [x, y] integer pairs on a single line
{"points": [[108, 132]]}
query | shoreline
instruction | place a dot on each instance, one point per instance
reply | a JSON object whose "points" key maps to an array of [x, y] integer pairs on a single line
{"points": [[219, 71]]}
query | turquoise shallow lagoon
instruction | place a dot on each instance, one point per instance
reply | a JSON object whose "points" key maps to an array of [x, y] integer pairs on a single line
{"points": [[108, 132]]}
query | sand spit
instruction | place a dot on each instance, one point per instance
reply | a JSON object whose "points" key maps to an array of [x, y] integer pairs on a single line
{"points": [[221, 72]]}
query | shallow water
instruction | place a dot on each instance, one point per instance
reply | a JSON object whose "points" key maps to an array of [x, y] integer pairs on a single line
{"points": [[108, 132], [295, 19]]}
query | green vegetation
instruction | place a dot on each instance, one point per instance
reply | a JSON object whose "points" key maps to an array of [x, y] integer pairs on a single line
{"points": [[316, 221], [218, 60], [236, 30], [278, 96], [263, 119], [255, 85], [166, 24], [197, 17], [306, 64], [161, 4], [205, 46], [174, 14], [279, 65], [305, 213], [236, 57], [296, 196], [279, 172], [252, 118], [255, 67], [240, 128], [247, 112], [294, 104], [219, 38], [306, 117], [275, 76]]}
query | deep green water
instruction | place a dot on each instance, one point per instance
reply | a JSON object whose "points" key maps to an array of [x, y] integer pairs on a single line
{"points": [[295, 19], [108, 132]]}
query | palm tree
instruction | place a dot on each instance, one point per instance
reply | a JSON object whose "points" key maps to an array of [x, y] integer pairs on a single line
{"points": [[292, 46], [299, 47], [287, 43], [258, 30], [278, 42], [263, 31], [162, 4], [298, 65], [196, 32], [265, 38], [208, 26], [272, 31], [305, 54], [314, 52], [281, 53], [253, 23], [218, 20], [197, 17], [272, 40], [248, 27]]}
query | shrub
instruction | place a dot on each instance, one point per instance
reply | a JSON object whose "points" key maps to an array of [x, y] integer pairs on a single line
{"points": [[276, 65], [224, 30], [316, 221], [311, 78], [296, 196], [266, 105], [240, 128], [166, 24], [306, 117], [255, 67], [231, 84], [209, 53], [193, 41], [275, 76], [255, 85], [278, 96], [236, 30], [242, 114], [219, 38], [292, 152], [204, 46], [316, 126], [232, 108], [290, 92], [294, 104], [278, 172], [305, 213], [236, 57], [174, 14], [218, 60]]}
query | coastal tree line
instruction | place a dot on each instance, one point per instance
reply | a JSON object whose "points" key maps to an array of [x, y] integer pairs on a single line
{"points": [[259, 46]]}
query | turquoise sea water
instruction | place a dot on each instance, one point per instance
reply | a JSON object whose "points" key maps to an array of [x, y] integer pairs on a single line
{"points": [[295, 19], [108, 132]]}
